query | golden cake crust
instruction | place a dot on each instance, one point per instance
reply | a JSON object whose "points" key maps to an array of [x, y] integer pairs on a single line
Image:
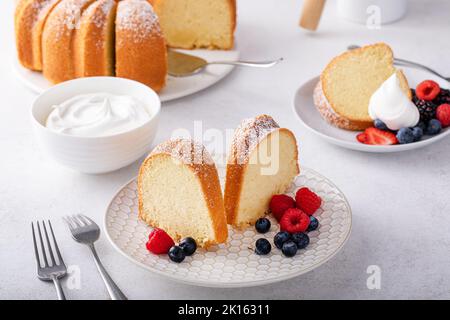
{"points": [[247, 136], [141, 52], [201, 164]]}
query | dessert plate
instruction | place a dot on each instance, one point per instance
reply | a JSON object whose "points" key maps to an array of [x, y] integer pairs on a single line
{"points": [[306, 111], [176, 87], [234, 264]]}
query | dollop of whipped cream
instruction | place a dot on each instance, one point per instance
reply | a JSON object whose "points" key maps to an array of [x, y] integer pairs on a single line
{"points": [[97, 115], [391, 105]]}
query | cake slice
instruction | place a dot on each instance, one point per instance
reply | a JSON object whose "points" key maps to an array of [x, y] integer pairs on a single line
{"points": [[141, 52], [179, 192], [263, 161], [94, 40], [349, 80], [191, 24], [30, 17]]}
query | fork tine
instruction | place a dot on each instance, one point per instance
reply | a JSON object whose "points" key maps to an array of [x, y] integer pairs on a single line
{"points": [[68, 221], [85, 219], [52, 257], [36, 252], [77, 221], [42, 245], [61, 261]]}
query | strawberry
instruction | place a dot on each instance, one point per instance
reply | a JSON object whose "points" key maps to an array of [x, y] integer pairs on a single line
{"points": [[307, 201], [443, 114], [159, 242], [427, 90], [376, 136], [279, 204], [294, 220]]}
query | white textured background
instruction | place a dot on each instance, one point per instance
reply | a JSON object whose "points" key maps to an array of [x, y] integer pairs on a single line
{"points": [[401, 202]]}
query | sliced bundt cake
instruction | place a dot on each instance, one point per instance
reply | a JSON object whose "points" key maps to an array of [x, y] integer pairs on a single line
{"points": [[179, 192], [349, 80], [263, 161]]}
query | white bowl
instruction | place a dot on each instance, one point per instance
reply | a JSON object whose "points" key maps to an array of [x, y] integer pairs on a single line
{"points": [[96, 154]]}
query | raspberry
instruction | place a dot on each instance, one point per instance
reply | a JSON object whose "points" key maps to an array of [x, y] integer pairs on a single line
{"points": [[159, 242], [443, 114], [279, 204], [307, 201], [428, 90], [294, 220]]}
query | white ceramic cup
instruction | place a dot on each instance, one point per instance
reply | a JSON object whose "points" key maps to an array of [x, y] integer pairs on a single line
{"points": [[372, 11], [96, 154]]}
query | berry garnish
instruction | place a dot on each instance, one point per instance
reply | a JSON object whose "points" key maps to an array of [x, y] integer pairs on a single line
{"points": [[361, 137], [405, 135], [159, 242], [294, 220], [262, 225], [176, 254], [443, 114], [434, 127], [289, 248], [307, 201], [428, 90], [443, 97], [300, 239], [262, 246], [313, 224], [427, 110], [279, 204], [378, 137], [280, 238], [417, 133], [380, 125], [188, 245]]}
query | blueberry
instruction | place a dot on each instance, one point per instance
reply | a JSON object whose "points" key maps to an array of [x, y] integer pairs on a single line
{"points": [[422, 126], [289, 248], [405, 135], [262, 246], [313, 223], [262, 225], [380, 125], [434, 127], [188, 245], [280, 238], [300, 239], [417, 133], [176, 254]]}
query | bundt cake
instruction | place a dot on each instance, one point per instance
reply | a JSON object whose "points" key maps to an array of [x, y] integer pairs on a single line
{"points": [[263, 161], [193, 24], [349, 80], [67, 39], [179, 192]]}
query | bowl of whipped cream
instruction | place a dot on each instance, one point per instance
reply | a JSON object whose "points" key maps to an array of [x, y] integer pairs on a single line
{"points": [[96, 124]]}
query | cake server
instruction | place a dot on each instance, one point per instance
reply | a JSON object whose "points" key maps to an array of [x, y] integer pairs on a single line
{"points": [[407, 63], [86, 231], [183, 65], [56, 269]]}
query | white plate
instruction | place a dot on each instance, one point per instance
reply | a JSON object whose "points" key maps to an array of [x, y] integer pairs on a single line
{"points": [[234, 264], [176, 87], [307, 113]]}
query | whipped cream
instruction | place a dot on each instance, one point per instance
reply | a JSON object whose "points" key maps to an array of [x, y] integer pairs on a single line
{"points": [[391, 105], [97, 115]]}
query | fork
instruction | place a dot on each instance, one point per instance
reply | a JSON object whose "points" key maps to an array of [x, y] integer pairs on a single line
{"points": [[407, 63], [86, 231], [57, 269]]}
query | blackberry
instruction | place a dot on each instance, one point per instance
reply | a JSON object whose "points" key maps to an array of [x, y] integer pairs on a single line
{"points": [[443, 97], [427, 110]]}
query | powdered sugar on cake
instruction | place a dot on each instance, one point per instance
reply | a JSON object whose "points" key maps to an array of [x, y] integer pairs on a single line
{"points": [[185, 150], [138, 17]]}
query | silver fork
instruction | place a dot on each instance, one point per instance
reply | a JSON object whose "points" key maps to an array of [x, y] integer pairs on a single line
{"points": [[86, 231], [57, 269], [407, 63]]}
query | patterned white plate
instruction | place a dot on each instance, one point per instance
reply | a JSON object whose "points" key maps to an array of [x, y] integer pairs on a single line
{"points": [[234, 264], [176, 87]]}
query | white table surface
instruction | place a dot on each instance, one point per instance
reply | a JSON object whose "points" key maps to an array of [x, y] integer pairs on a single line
{"points": [[401, 202]]}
